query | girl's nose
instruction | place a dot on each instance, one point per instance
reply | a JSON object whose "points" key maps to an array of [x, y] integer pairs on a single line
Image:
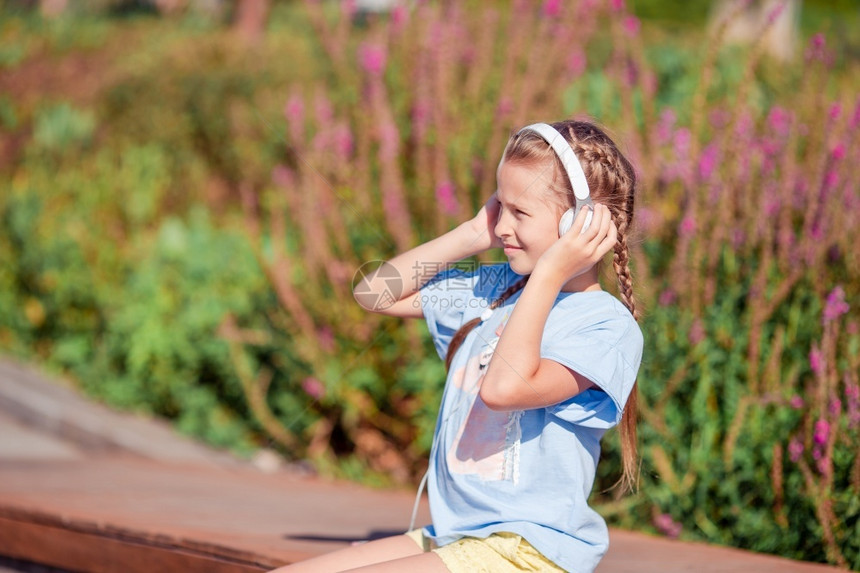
{"points": [[502, 228]]}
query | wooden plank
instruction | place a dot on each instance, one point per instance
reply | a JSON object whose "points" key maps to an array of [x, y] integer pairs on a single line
{"points": [[99, 553]]}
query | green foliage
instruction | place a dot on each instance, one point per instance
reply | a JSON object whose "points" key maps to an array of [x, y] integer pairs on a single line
{"points": [[181, 241]]}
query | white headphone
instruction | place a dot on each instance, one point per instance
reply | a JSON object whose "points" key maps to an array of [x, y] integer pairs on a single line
{"points": [[574, 172]]}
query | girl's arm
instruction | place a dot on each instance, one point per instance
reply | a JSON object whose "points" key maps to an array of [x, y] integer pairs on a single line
{"points": [[517, 377], [418, 265]]}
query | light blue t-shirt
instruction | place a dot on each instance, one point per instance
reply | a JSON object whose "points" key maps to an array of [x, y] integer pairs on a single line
{"points": [[528, 472]]}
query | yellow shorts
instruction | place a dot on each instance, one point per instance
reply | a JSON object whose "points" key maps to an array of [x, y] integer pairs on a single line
{"points": [[499, 553]]}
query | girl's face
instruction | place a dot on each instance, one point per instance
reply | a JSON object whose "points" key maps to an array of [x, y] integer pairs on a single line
{"points": [[528, 219]]}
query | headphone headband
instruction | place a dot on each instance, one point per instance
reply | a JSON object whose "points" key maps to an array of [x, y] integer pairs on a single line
{"points": [[568, 159]]}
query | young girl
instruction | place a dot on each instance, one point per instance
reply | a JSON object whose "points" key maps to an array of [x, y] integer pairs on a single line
{"points": [[541, 362]]}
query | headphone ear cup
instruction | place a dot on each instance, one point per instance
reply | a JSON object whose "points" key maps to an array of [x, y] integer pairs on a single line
{"points": [[566, 222], [588, 217]]}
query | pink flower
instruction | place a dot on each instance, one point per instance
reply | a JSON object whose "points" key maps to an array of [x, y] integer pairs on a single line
{"points": [[325, 337], [667, 526], [719, 118], [835, 306], [796, 402], [398, 16], [855, 120], [576, 63], [446, 198], [372, 58], [779, 120], [823, 465], [665, 125], [667, 297], [821, 432], [323, 109], [838, 151], [617, 5], [506, 106], [815, 360], [283, 176], [313, 387], [343, 141], [817, 40], [552, 8], [631, 25], [795, 449], [389, 139], [852, 396], [834, 408], [688, 226], [708, 162], [697, 332], [349, 9], [294, 111], [775, 12], [834, 111]]}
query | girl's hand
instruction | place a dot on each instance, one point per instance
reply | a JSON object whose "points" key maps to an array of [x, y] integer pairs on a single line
{"points": [[576, 252], [484, 223]]}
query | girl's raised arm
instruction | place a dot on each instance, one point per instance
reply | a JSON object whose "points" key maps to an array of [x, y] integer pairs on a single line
{"points": [[418, 265]]}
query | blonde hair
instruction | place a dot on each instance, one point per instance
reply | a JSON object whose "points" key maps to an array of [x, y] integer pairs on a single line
{"points": [[612, 181]]}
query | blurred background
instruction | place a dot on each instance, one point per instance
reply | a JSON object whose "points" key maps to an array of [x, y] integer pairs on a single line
{"points": [[188, 186]]}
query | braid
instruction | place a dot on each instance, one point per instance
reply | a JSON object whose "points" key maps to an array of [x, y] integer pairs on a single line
{"points": [[463, 332], [612, 181]]}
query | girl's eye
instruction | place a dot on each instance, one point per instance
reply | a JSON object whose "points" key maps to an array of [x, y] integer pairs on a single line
{"points": [[521, 212]]}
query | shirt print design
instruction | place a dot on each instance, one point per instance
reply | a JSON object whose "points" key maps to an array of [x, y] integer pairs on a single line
{"points": [[487, 442]]}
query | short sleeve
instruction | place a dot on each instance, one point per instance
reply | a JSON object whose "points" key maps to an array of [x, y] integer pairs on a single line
{"points": [[603, 343], [455, 296]]}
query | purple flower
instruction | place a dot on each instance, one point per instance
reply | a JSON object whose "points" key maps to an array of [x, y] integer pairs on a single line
{"points": [[821, 432], [835, 306], [372, 58], [667, 526], [313, 387], [796, 402], [795, 449]]}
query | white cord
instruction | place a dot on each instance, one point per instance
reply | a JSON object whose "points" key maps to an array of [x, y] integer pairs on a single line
{"points": [[418, 500]]}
